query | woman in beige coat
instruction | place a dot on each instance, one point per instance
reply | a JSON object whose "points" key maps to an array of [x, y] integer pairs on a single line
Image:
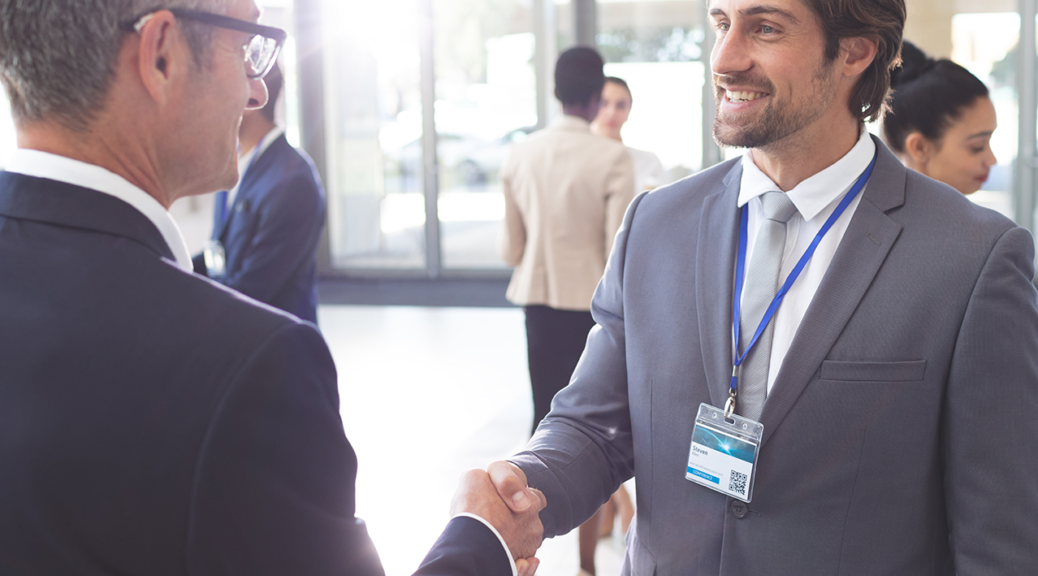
{"points": [[566, 191]]}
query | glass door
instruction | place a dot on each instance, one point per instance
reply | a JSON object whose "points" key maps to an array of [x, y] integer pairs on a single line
{"points": [[657, 47], [486, 99], [373, 123], [986, 44]]}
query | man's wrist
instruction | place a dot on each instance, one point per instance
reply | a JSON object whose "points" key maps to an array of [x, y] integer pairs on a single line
{"points": [[504, 545]]}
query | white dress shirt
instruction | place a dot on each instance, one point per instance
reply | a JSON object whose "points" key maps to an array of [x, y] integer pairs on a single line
{"points": [[649, 172], [61, 169], [815, 199]]}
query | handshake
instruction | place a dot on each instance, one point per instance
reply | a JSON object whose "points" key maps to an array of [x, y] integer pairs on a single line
{"points": [[500, 496]]}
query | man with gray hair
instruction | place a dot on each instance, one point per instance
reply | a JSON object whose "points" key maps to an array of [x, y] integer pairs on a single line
{"points": [[152, 421]]}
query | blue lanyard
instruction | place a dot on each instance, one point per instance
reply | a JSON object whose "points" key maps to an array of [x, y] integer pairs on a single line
{"points": [[741, 265]]}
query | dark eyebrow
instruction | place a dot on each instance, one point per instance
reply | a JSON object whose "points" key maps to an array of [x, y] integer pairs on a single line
{"points": [[979, 134], [760, 9], [765, 9]]}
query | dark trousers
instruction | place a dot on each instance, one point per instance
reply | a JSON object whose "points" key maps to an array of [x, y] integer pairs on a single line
{"points": [[555, 340]]}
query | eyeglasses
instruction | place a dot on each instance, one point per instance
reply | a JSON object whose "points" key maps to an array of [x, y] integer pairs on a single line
{"points": [[261, 52]]}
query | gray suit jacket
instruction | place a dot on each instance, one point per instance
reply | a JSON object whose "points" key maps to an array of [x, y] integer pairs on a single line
{"points": [[900, 434]]}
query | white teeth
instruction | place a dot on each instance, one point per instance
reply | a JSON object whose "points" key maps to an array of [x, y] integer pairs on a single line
{"points": [[743, 96]]}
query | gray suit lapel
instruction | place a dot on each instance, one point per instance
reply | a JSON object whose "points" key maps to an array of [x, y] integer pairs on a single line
{"points": [[715, 269], [864, 247]]}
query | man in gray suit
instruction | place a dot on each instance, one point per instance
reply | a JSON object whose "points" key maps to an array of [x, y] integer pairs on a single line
{"points": [[896, 382]]}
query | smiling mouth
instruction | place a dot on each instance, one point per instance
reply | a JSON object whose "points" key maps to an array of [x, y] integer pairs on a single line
{"points": [[740, 96]]}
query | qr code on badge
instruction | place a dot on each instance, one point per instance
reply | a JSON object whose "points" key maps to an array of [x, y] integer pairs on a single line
{"points": [[737, 482]]}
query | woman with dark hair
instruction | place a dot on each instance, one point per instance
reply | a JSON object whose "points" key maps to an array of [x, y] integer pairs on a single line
{"points": [[941, 120], [613, 112]]}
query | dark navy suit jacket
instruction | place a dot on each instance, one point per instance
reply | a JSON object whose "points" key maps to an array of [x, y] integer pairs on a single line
{"points": [[154, 422], [271, 232]]}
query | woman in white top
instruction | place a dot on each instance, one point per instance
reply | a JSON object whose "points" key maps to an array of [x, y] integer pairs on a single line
{"points": [[649, 173], [612, 115]]}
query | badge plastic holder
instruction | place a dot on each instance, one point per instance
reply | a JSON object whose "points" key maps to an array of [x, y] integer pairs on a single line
{"points": [[724, 452]]}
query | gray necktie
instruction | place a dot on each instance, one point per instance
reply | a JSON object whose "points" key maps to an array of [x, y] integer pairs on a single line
{"points": [[759, 289]]}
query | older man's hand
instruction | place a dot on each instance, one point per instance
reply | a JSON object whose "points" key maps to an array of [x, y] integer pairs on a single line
{"points": [[522, 530]]}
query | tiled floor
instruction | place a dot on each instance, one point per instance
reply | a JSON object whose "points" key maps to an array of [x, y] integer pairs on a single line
{"points": [[426, 394]]}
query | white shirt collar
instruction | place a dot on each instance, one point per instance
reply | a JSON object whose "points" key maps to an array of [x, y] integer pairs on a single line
{"points": [[815, 193], [62, 169]]}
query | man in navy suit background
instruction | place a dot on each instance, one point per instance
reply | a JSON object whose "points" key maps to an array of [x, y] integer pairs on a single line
{"points": [[266, 229], [153, 421]]}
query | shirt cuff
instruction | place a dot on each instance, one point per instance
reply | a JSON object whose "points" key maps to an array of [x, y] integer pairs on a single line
{"points": [[508, 553]]}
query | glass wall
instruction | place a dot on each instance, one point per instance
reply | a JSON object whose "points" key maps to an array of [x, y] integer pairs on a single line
{"points": [[656, 46], [986, 44], [490, 87], [486, 99], [373, 119]]}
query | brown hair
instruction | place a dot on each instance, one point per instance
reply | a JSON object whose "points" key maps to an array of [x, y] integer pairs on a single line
{"points": [[882, 21]]}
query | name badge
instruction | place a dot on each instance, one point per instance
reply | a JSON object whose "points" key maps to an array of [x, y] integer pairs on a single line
{"points": [[724, 452]]}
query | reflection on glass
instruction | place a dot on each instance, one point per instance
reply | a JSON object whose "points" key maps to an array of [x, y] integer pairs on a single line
{"points": [[986, 45], [485, 101], [376, 212], [655, 46]]}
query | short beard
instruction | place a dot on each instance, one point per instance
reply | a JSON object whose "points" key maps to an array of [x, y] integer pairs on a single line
{"points": [[775, 124]]}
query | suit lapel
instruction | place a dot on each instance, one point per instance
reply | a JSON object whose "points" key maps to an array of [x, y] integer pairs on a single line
{"points": [[869, 238], [53, 202], [715, 268]]}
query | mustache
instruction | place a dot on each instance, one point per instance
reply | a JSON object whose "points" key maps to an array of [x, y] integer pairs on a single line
{"points": [[749, 81]]}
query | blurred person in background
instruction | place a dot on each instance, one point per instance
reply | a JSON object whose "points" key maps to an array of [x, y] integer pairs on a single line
{"points": [[941, 120], [612, 115], [266, 228], [565, 192]]}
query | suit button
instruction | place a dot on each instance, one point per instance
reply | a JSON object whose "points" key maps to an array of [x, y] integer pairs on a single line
{"points": [[739, 509]]}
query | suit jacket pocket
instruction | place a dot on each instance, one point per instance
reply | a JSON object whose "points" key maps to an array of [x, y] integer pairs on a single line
{"points": [[905, 371]]}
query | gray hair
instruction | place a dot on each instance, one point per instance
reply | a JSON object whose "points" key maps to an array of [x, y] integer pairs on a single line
{"points": [[58, 57]]}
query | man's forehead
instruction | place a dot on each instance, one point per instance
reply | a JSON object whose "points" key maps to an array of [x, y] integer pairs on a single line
{"points": [[789, 9]]}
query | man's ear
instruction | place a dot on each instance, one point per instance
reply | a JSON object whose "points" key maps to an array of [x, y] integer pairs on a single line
{"points": [[857, 54], [162, 54]]}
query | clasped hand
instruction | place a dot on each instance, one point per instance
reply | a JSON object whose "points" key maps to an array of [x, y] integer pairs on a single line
{"points": [[500, 496]]}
